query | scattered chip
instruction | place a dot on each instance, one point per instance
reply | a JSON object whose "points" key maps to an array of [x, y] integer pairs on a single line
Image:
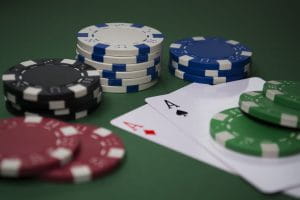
{"points": [[101, 151], [32, 144], [258, 106], [286, 93], [238, 132]]}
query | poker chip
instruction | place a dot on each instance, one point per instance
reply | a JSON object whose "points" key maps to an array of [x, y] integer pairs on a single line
{"points": [[204, 79], [210, 53], [60, 88], [32, 144], [50, 79], [120, 39], [100, 152], [55, 104], [128, 89], [131, 81], [286, 93], [127, 56], [238, 132], [211, 73], [260, 107], [151, 71], [62, 114], [118, 60], [119, 67]]}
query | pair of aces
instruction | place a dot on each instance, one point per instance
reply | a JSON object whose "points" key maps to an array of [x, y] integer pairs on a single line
{"points": [[180, 121]]}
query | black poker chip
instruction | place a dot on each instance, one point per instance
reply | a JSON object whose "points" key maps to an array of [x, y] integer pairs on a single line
{"points": [[63, 114], [50, 79], [54, 104]]}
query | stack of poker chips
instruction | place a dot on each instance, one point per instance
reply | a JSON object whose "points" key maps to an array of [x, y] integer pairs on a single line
{"points": [[266, 124], [61, 88], [209, 60], [126, 55], [61, 152]]}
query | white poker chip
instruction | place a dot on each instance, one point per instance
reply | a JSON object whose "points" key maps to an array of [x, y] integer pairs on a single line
{"points": [[120, 39]]}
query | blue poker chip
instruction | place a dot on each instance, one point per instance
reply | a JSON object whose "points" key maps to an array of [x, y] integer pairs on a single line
{"points": [[204, 79], [210, 53], [245, 69]]}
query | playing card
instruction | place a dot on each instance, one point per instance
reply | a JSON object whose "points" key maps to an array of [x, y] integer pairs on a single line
{"points": [[200, 103], [145, 122]]}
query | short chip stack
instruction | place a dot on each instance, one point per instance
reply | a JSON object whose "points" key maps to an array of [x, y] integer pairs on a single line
{"points": [[61, 152], [127, 56], [209, 60], [61, 88], [267, 123]]}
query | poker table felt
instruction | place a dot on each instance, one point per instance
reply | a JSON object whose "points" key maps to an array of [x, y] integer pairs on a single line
{"points": [[36, 29]]}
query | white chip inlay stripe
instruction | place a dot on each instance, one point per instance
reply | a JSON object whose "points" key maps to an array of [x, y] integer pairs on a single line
{"points": [[184, 60], [223, 137], [28, 63], [33, 119], [102, 132], [8, 77], [224, 64], [289, 120], [79, 90], [68, 61], [246, 53], [69, 130], [10, 167], [246, 105], [31, 93], [198, 38], [269, 150], [270, 94], [61, 154], [116, 153], [175, 46], [233, 42], [220, 116], [81, 173]]}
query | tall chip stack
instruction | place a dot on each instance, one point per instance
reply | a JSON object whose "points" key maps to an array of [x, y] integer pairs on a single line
{"points": [[266, 124], [127, 56], [209, 60]]}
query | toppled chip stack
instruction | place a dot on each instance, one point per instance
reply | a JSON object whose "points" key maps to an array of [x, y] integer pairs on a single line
{"points": [[61, 152], [127, 56], [61, 88], [209, 60]]}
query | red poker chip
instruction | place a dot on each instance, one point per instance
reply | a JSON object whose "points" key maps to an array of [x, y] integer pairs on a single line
{"points": [[31, 144], [100, 151]]}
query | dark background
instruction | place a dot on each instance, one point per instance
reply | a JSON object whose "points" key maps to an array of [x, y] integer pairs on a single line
{"points": [[34, 29]]}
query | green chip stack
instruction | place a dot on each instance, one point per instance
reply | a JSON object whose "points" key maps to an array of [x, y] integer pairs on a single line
{"points": [[266, 124]]}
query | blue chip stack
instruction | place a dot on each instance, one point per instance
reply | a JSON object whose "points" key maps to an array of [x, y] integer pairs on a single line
{"points": [[209, 60], [126, 55]]}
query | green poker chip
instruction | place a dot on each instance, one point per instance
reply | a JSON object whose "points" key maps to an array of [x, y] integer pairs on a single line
{"points": [[241, 133], [258, 106], [286, 93]]}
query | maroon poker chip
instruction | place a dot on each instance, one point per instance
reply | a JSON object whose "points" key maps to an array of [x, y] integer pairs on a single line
{"points": [[100, 151], [31, 144]]}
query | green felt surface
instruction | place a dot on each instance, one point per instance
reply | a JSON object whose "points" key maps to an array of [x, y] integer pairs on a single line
{"points": [[35, 29]]}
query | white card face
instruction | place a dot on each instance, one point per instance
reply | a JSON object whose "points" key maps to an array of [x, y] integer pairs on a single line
{"points": [[199, 103], [145, 122]]}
